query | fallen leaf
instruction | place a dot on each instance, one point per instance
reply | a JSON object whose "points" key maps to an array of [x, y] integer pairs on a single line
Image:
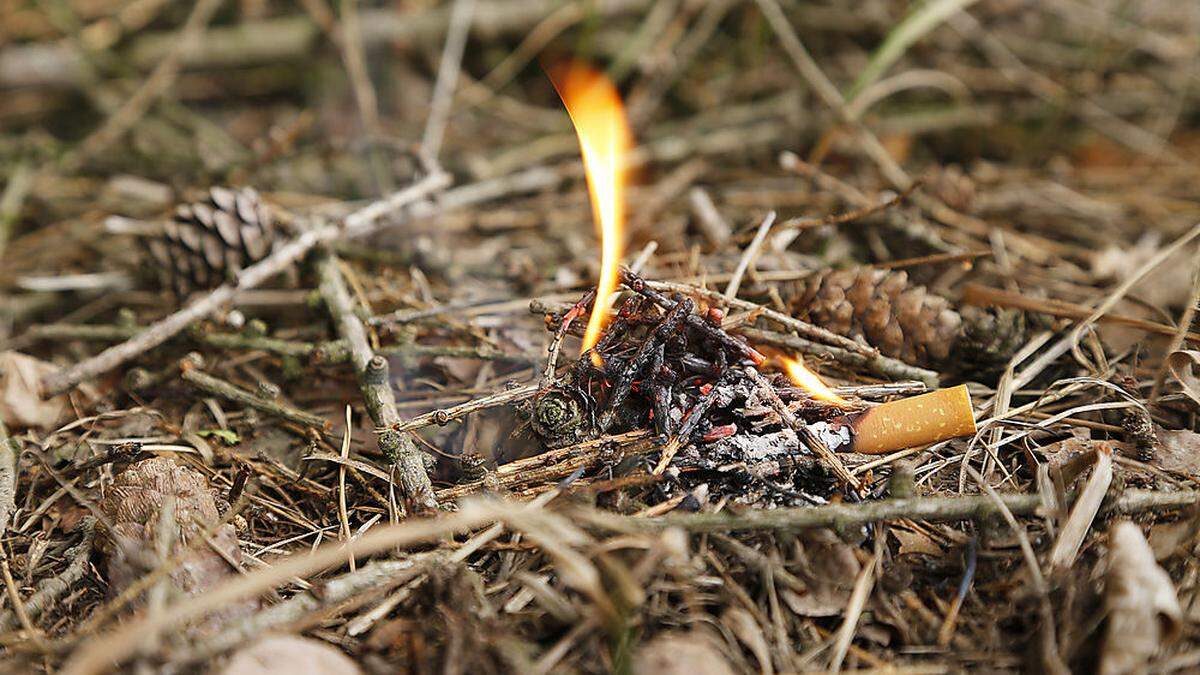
{"points": [[1140, 601], [290, 654], [694, 653], [21, 402], [1183, 365], [1180, 451], [915, 542]]}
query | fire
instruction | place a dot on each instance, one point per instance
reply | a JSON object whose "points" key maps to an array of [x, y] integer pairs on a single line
{"points": [[807, 380], [595, 108]]}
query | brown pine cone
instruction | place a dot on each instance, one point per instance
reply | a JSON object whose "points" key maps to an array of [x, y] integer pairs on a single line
{"points": [[208, 242], [131, 544], [906, 321]]}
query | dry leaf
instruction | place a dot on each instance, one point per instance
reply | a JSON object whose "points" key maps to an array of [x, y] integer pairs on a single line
{"points": [[741, 623], [1180, 451], [915, 542], [1139, 598], [290, 654], [1165, 286], [829, 568], [21, 402], [1183, 365], [681, 654]]}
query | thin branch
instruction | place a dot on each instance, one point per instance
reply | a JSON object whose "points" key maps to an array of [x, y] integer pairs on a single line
{"points": [[447, 77], [376, 386]]}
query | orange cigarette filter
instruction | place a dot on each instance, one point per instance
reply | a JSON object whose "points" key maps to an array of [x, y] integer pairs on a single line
{"points": [[910, 422]]}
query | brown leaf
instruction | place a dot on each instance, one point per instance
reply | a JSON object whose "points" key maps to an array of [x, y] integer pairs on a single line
{"points": [[915, 542], [21, 402]]}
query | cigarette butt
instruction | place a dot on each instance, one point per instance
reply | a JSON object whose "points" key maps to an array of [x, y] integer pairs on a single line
{"points": [[909, 422]]}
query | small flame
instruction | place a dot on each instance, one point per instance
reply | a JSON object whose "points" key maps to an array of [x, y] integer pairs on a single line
{"points": [[807, 380], [595, 108]]}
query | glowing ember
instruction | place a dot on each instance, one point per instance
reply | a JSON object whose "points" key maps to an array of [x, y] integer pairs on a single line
{"points": [[807, 380], [604, 139]]}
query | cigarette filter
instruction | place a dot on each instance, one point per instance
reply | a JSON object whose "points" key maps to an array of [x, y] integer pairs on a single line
{"points": [[909, 422]]}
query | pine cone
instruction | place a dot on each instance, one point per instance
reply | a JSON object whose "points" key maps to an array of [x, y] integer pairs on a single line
{"points": [[906, 321], [208, 242]]}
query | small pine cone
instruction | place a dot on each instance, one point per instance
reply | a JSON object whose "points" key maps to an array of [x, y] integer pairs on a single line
{"points": [[208, 242], [897, 318]]}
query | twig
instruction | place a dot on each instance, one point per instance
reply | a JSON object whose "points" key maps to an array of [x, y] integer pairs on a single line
{"points": [[863, 585], [376, 387], [976, 294], [442, 416], [555, 464], [1083, 514], [844, 517], [878, 364], [19, 183], [359, 223], [331, 352], [218, 387], [749, 255], [155, 86], [8, 479], [828, 92], [349, 40], [1050, 658], [375, 576], [712, 224], [443, 89]]}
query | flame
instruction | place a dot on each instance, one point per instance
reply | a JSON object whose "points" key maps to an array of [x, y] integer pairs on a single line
{"points": [[595, 108], [807, 380]]}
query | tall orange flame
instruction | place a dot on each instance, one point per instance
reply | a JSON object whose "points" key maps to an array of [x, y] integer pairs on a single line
{"points": [[807, 380], [595, 108]]}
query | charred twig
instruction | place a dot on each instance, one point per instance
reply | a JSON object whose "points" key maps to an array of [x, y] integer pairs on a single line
{"points": [[359, 223], [376, 387], [560, 334], [810, 439], [666, 328], [218, 387], [692, 420], [802, 328], [695, 321]]}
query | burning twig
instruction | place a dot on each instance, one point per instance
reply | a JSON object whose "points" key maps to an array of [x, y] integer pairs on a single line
{"points": [[639, 285], [816, 444]]}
